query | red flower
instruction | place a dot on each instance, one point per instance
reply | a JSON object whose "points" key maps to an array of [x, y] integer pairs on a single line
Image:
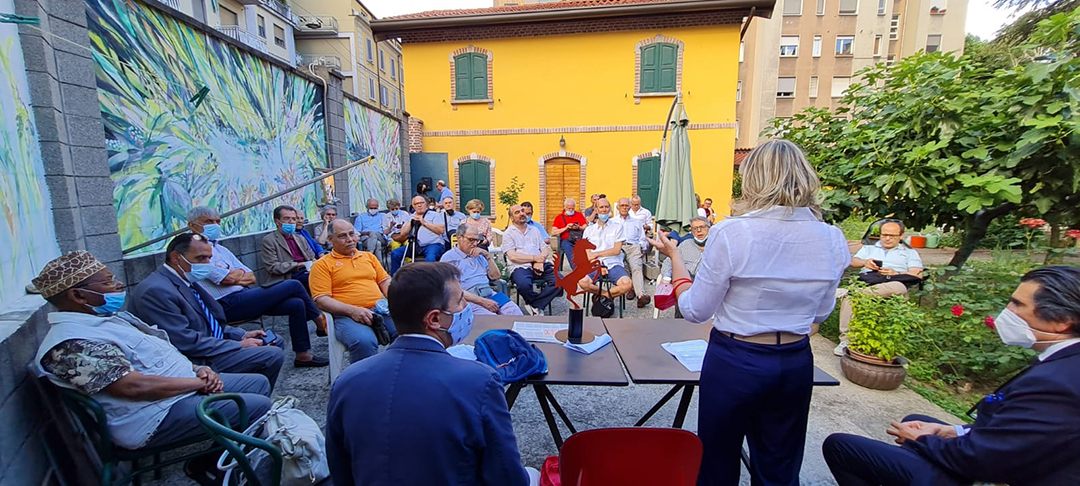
{"points": [[989, 321], [1073, 233], [957, 310], [1033, 222]]}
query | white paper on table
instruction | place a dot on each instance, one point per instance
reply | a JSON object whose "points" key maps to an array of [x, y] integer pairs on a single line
{"points": [[463, 351], [590, 348], [690, 353], [539, 332]]}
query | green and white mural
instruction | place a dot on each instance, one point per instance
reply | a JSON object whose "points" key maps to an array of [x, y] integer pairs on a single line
{"points": [[190, 120], [28, 238], [369, 132]]}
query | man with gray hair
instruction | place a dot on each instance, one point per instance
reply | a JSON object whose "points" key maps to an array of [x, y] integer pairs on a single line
{"points": [[229, 282], [633, 250], [691, 248], [478, 269], [369, 226]]}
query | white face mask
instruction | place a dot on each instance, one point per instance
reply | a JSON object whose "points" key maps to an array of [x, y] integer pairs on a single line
{"points": [[1015, 331]]}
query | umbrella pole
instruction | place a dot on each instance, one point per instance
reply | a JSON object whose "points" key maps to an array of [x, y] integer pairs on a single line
{"points": [[663, 141]]}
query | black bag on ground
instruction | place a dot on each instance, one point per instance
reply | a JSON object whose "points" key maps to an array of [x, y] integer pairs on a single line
{"points": [[603, 307]]}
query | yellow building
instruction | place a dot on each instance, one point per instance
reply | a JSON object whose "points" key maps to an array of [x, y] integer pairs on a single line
{"points": [[571, 98]]}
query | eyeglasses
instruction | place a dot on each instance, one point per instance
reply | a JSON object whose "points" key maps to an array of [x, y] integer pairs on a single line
{"points": [[883, 235], [351, 234], [474, 240]]}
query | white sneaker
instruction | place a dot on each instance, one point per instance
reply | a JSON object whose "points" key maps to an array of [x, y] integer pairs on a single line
{"points": [[839, 349], [530, 310]]}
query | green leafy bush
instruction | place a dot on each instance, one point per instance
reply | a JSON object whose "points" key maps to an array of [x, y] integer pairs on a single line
{"points": [[511, 193], [879, 325]]}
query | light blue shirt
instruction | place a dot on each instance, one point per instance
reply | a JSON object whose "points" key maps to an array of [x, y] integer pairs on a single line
{"points": [[771, 270], [539, 227], [473, 269], [452, 223], [900, 258], [367, 222], [224, 261], [445, 193], [427, 237]]}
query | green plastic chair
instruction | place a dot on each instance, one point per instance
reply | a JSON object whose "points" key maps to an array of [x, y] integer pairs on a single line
{"points": [[237, 444], [90, 417]]}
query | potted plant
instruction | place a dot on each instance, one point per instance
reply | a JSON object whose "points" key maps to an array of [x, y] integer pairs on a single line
{"points": [[876, 337]]}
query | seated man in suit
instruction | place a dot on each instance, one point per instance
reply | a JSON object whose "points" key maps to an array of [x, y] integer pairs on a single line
{"points": [[426, 225], [526, 259], [285, 253], [896, 260], [195, 322], [477, 269], [348, 283], [229, 283], [415, 415], [1025, 433], [147, 388], [607, 236]]}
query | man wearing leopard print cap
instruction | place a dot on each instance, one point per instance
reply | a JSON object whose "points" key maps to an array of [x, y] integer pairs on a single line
{"points": [[148, 389]]}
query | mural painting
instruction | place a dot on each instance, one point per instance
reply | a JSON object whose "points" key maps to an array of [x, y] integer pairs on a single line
{"points": [[368, 132], [27, 236], [191, 120]]}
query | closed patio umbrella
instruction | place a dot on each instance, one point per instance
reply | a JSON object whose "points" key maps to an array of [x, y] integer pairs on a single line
{"points": [[676, 205]]}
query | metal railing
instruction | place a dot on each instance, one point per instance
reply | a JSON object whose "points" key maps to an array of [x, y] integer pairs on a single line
{"points": [[244, 36], [250, 205], [282, 9], [317, 24], [173, 4], [332, 62]]}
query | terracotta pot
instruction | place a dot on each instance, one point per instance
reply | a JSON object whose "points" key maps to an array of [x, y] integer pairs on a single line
{"points": [[875, 376], [917, 241], [865, 358]]}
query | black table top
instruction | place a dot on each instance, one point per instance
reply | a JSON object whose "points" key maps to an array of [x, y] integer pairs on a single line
{"points": [[638, 342], [565, 367]]}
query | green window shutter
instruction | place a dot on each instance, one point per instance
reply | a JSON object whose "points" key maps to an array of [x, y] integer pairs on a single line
{"points": [[659, 68], [470, 77], [669, 59], [475, 183], [650, 65], [648, 187]]}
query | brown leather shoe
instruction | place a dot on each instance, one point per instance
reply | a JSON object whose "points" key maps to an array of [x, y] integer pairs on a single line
{"points": [[643, 301], [320, 325]]}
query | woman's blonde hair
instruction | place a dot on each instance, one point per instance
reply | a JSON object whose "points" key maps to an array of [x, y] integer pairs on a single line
{"points": [[474, 205], [776, 173]]}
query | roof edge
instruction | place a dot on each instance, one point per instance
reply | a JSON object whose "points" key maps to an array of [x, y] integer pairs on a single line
{"points": [[390, 27]]}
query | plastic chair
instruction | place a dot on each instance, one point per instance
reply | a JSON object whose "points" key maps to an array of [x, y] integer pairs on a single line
{"points": [[630, 456], [339, 354], [90, 417], [236, 444]]}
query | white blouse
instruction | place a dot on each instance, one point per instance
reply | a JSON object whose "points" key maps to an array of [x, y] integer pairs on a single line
{"points": [[771, 270]]}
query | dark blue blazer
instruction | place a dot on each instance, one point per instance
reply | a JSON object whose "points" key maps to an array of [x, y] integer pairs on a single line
{"points": [[416, 416], [1031, 436], [166, 302]]}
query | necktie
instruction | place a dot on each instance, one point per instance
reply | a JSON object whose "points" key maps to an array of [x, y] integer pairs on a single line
{"points": [[215, 327]]}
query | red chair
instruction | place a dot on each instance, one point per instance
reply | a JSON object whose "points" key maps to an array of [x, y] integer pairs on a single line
{"points": [[630, 456]]}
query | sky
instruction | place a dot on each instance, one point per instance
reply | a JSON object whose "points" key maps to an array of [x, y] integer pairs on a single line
{"points": [[983, 19]]}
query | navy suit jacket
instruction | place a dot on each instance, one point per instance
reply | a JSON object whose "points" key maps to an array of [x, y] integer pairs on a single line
{"points": [[1030, 436], [166, 301], [416, 416]]}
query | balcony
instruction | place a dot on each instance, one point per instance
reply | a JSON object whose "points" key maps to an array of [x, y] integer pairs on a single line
{"points": [[281, 9], [243, 36], [332, 62], [317, 24], [173, 4]]}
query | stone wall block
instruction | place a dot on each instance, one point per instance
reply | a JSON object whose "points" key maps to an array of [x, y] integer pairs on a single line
{"points": [[94, 191], [44, 89], [75, 69], [105, 247], [90, 161], [62, 191], [56, 158], [80, 100], [74, 39], [67, 222], [85, 131], [50, 124], [99, 220]]}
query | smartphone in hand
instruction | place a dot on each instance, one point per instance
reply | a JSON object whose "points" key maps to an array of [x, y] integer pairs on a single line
{"points": [[879, 263], [269, 338]]}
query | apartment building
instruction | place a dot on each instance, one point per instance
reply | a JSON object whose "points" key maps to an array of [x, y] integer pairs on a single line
{"points": [[264, 25], [809, 51], [337, 34]]}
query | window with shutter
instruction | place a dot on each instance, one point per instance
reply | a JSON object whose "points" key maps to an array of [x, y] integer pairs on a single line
{"points": [[813, 86], [839, 85], [470, 77], [849, 7], [475, 183], [659, 68], [792, 7], [785, 87]]}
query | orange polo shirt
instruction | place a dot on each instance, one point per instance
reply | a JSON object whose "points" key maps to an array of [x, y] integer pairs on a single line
{"points": [[350, 280]]}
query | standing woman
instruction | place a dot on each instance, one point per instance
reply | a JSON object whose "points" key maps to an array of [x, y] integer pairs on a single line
{"points": [[764, 277]]}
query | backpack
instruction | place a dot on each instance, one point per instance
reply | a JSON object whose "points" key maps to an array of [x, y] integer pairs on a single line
{"points": [[510, 355], [603, 307]]}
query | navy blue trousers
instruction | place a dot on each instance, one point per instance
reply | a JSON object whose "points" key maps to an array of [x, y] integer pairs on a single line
{"points": [[523, 278], [760, 393], [286, 298], [861, 461], [430, 253]]}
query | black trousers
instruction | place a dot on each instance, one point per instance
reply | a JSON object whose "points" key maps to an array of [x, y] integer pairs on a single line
{"points": [[861, 461], [286, 298], [522, 278], [758, 392]]}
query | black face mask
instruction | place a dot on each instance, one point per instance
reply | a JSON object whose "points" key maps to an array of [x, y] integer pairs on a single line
{"points": [[450, 212]]}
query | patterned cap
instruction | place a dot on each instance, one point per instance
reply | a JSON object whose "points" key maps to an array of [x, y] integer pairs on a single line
{"points": [[64, 272]]}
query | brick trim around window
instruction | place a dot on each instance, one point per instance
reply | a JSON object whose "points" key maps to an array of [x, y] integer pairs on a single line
{"points": [[491, 180], [542, 161], [471, 49], [637, 66], [634, 166]]}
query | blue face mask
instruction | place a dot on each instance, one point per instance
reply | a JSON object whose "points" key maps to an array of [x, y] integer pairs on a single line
{"points": [[570, 212], [528, 219], [700, 242], [288, 228], [212, 231], [396, 212], [461, 326], [474, 215], [199, 271], [603, 217], [113, 302]]}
